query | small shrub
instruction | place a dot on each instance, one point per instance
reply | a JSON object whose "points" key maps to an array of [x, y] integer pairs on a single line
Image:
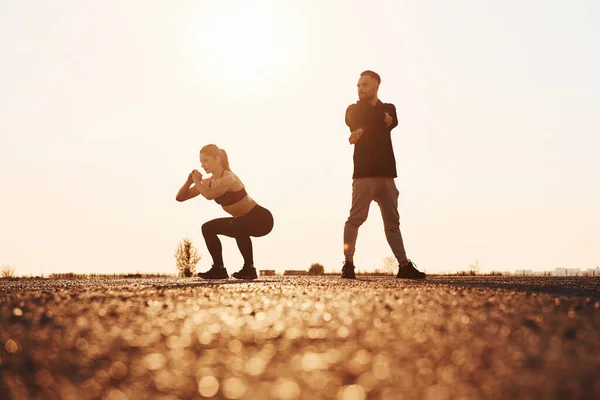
{"points": [[186, 258], [316, 269], [6, 271], [390, 265], [474, 268]]}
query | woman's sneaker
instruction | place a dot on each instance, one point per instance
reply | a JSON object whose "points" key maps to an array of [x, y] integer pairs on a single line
{"points": [[216, 272], [408, 271], [247, 272]]}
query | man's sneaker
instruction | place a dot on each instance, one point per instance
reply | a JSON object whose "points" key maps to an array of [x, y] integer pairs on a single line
{"points": [[247, 272], [408, 271], [348, 271], [216, 272]]}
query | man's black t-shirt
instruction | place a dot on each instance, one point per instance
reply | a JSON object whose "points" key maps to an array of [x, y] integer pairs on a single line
{"points": [[373, 153]]}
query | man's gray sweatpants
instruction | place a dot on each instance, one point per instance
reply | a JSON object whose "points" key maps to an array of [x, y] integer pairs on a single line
{"points": [[383, 191]]}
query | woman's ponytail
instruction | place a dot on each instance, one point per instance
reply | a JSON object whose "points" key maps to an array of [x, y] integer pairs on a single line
{"points": [[225, 160]]}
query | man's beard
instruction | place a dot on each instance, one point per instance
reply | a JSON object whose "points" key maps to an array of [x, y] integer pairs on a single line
{"points": [[365, 96]]}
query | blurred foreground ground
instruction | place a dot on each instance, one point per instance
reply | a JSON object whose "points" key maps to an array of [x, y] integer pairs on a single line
{"points": [[301, 338]]}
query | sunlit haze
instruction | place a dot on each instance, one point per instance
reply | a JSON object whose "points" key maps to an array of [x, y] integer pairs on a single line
{"points": [[105, 105]]}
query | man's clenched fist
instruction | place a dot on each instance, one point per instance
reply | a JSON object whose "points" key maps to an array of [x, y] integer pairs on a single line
{"points": [[355, 135]]}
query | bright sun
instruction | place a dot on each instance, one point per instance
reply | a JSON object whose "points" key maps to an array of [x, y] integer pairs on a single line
{"points": [[248, 46]]}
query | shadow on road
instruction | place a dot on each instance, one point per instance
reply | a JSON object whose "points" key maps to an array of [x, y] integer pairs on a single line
{"points": [[573, 286]]}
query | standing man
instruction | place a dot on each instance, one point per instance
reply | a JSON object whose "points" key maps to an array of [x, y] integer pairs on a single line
{"points": [[371, 122]]}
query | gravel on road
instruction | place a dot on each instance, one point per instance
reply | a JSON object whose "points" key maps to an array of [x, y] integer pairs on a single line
{"points": [[290, 338]]}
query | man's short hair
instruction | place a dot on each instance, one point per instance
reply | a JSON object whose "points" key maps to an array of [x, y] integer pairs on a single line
{"points": [[371, 74]]}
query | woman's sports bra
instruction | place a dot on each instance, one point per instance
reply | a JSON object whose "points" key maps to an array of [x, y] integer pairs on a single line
{"points": [[229, 198]]}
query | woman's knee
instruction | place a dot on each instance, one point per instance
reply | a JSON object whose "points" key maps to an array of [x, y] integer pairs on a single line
{"points": [[218, 226], [208, 228]]}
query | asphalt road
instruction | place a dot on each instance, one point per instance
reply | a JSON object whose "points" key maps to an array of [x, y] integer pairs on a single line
{"points": [[301, 338]]}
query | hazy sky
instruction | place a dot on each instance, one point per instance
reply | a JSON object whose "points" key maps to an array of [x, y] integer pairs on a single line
{"points": [[104, 106]]}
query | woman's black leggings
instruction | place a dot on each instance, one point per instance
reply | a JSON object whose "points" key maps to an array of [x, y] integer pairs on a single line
{"points": [[258, 222]]}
